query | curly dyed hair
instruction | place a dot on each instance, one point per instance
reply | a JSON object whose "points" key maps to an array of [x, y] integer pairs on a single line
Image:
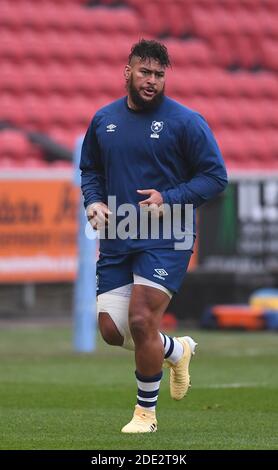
{"points": [[150, 49]]}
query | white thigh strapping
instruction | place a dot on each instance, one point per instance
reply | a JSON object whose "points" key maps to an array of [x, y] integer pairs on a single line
{"points": [[116, 303], [146, 282]]}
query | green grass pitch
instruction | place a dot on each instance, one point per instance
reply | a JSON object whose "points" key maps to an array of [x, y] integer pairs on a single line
{"points": [[53, 398]]}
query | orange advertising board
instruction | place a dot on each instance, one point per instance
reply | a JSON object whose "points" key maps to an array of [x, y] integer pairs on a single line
{"points": [[38, 230]]}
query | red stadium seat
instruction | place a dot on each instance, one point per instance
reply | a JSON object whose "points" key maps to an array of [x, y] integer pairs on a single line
{"points": [[53, 18], [205, 106], [248, 21], [32, 17], [268, 21], [81, 48], [187, 83], [189, 53], [95, 48], [214, 84], [83, 80], [125, 21], [267, 85], [61, 165], [122, 48], [9, 17], [62, 3], [35, 46], [221, 83], [12, 109], [250, 114], [36, 112], [231, 146], [246, 85], [269, 113], [226, 23], [10, 79], [34, 161], [153, 20], [59, 79], [177, 17], [270, 54], [59, 110], [223, 50], [64, 136], [101, 19], [255, 147], [228, 113], [13, 145], [271, 140], [100, 81], [176, 49], [226, 85], [203, 23], [34, 79], [247, 55], [12, 49], [7, 163], [56, 47], [82, 113]]}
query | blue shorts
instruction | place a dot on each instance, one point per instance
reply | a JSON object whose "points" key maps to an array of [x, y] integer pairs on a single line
{"points": [[163, 266]]}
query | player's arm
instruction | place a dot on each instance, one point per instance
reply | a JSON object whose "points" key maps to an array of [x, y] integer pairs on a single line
{"points": [[209, 176], [93, 179]]}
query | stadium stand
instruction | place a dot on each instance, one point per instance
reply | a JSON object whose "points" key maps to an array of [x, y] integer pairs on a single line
{"points": [[61, 60]]}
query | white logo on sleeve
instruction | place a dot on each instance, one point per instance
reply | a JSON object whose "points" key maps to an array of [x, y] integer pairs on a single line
{"points": [[160, 273], [156, 127], [111, 128]]}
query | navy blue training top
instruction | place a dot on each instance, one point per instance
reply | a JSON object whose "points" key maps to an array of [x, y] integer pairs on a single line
{"points": [[170, 149]]}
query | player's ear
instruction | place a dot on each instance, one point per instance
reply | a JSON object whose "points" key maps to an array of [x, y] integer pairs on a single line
{"points": [[127, 72]]}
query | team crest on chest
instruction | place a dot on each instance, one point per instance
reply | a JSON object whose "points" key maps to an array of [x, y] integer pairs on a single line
{"points": [[156, 127]]}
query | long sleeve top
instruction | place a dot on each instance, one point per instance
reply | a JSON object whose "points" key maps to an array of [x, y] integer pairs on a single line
{"points": [[170, 149]]}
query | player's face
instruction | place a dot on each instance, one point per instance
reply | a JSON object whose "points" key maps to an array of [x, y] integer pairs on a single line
{"points": [[145, 83]]}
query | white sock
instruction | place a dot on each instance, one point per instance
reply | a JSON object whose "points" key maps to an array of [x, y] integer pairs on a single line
{"points": [[148, 389], [173, 348]]}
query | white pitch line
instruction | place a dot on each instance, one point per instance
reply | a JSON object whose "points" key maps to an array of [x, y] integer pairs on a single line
{"points": [[236, 385], [250, 352]]}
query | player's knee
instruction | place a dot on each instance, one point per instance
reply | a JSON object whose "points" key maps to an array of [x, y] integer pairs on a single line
{"points": [[139, 323], [108, 330]]}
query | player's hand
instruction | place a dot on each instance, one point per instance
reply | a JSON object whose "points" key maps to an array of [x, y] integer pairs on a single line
{"points": [[97, 214], [154, 202]]}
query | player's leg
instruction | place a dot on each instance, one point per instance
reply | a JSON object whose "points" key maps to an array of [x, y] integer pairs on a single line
{"points": [[114, 284], [109, 330], [112, 307], [173, 349], [113, 323], [147, 305], [178, 351]]}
